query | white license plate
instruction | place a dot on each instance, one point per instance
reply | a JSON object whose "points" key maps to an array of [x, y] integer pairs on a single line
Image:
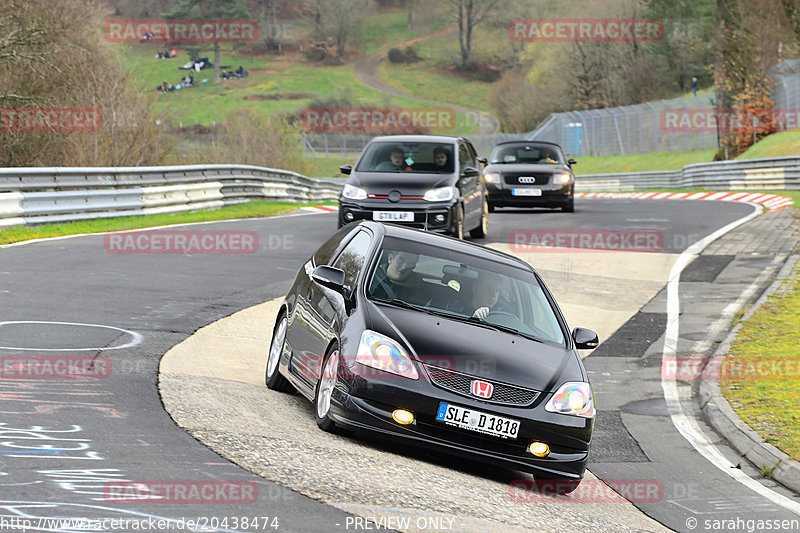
{"points": [[393, 216], [526, 192], [464, 418]]}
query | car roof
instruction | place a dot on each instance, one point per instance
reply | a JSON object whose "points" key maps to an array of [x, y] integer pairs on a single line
{"points": [[443, 241], [528, 142], [416, 138]]}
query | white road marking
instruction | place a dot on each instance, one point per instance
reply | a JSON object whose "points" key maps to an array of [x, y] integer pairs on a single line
{"points": [[685, 424], [136, 338]]}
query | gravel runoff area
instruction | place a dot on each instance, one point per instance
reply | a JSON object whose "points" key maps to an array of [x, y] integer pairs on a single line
{"points": [[212, 385]]}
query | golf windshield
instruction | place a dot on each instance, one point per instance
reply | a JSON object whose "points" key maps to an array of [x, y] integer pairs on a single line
{"points": [[424, 157], [465, 287]]}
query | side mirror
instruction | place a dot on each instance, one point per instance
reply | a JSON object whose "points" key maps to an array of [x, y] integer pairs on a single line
{"points": [[346, 169], [585, 339], [572, 161], [483, 161], [330, 277], [469, 172]]}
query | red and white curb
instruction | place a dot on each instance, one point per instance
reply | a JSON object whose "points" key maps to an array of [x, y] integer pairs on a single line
{"points": [[772, 202], [322, 209]]}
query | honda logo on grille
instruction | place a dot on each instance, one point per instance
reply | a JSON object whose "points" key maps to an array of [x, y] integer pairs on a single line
{"points": [[527, 179], [482, 389]]}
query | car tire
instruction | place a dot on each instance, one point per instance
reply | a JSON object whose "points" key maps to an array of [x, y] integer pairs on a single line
{"points": [[483, 228], [272, 376], [459, 231], [324, 390], [569, 207], [491, 208]]}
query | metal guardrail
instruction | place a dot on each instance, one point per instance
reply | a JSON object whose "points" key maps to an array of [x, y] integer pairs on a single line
{"points": [[757, 174], [39, 195]]}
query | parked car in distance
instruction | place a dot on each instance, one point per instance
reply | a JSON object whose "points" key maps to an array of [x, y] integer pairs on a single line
{"points": [[441, 343], [530, 174], [421, 181]]}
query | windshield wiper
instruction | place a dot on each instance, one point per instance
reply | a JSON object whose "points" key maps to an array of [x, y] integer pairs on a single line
{"points": [[500, 327]]}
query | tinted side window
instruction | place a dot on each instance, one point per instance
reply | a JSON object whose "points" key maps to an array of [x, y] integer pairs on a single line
{"points": [[327, 250], [352, 258], [464, 158]]}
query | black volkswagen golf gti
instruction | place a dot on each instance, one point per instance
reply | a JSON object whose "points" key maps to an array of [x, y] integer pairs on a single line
{"points": [[443, 343], [422, 181]]}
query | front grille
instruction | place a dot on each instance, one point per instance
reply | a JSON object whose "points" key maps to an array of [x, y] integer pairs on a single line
{"points": [[462, 384], [540, 179]]}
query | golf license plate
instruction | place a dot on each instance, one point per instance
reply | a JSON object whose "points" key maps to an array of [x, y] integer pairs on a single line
{"points": [[526, 192], [454, 415], [393, 216]]}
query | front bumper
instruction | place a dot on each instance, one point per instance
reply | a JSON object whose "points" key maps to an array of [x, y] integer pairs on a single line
{"points": [[553, 195], [438, 217], [367, 404]]}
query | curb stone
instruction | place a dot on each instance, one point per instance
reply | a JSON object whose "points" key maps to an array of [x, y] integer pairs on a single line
{"points": [[727, 423]]}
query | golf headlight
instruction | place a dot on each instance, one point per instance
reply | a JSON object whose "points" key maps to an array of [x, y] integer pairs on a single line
{"points": [[380, 352], [572, 398], [442, 194], [563, 178], [353, 193], [492, 177]]}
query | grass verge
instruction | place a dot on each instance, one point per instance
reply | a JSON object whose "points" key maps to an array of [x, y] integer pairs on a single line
{"points": [[762, 380], [255, 209], [640, 162]]}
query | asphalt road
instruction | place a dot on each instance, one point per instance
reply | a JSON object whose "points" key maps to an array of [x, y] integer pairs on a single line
{"points": [[64, 441]]}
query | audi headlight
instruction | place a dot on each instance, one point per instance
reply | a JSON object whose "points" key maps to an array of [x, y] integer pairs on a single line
{"points": [[354, 193], [492, 177], [563, 178], [442, 194], [573, 398], [380, 352]]}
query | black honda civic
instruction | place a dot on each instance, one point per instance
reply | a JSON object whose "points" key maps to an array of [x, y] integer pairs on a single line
{"points": [[422, 181], [443, 343]]}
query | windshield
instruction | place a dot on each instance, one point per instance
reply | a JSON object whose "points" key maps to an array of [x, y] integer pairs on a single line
{"points": [[528, 153], [427, 157], [463, 287]]}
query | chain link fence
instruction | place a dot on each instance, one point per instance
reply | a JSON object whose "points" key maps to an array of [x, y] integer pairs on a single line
{"points": [[675, 125]]}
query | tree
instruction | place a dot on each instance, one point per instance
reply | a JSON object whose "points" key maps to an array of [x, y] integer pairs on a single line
{"points": [[337, 20], [469, 14], [210, 9]]}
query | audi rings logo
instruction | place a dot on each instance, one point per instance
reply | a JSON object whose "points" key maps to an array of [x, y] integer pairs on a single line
{"points": [[527, 179]]}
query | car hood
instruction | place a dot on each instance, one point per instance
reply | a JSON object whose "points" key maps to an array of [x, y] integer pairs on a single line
{"points": [[405, 182], [510, 168], [473, 349]]}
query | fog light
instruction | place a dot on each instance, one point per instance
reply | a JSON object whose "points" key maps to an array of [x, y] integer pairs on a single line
{"points": [[439, 218], [539, 449], [401, 416], [348, 216]]}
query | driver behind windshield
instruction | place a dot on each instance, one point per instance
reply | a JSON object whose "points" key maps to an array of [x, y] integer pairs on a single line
{"points": [[396, 278], [485, 296]]}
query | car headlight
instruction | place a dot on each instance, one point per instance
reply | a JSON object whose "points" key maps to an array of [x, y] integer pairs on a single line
{"points": [[353, 193], [442, 194], [573, 398], [563, 178], [380, 352], [492, 177]]}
